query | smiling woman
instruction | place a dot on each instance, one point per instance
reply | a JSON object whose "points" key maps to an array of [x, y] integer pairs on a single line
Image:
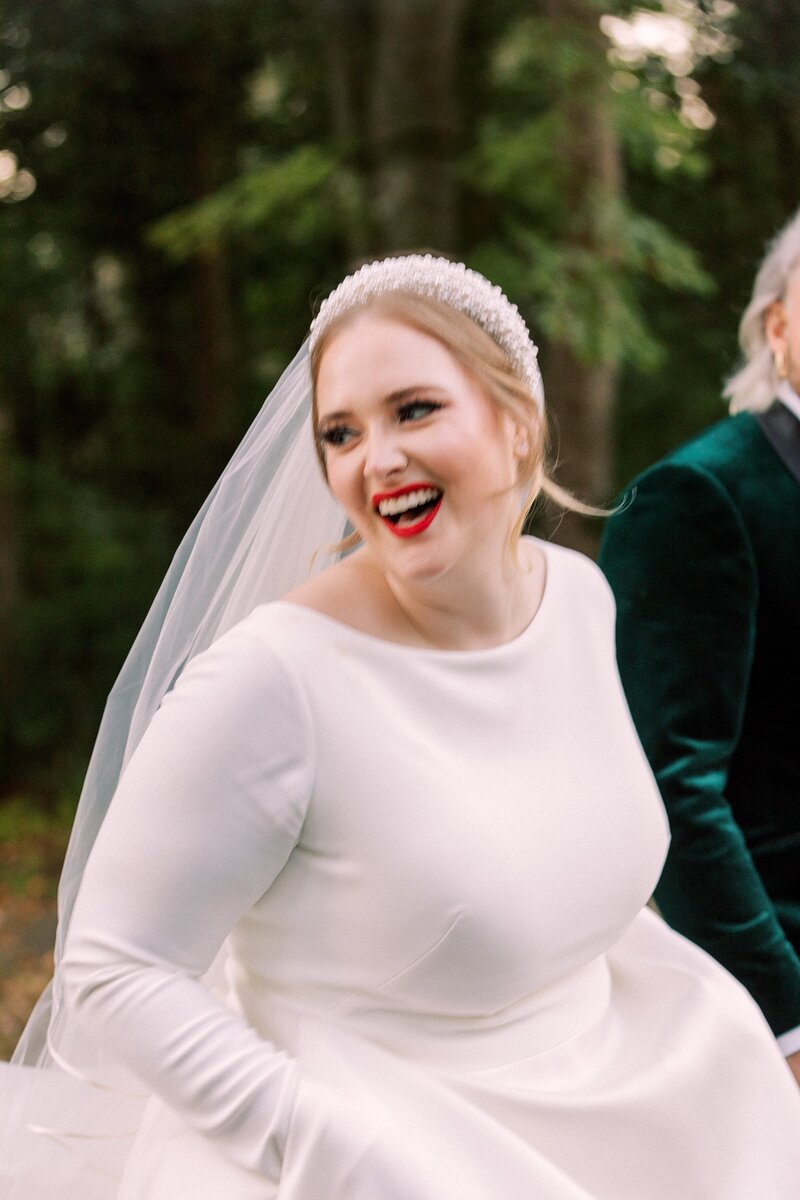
{"points": [[509, 378], [366, 916], [429, 468]]}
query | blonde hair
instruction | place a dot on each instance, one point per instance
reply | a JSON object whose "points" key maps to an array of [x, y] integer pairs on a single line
{"points": [[473, 347], [753, 386]]}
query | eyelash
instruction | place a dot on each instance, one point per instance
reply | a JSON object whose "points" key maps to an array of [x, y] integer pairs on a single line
{"points": [[429, 406], [336, 435]]}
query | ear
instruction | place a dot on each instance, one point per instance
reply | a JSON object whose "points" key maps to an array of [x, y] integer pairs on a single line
{"points": [[776, 326], [521, 442]]}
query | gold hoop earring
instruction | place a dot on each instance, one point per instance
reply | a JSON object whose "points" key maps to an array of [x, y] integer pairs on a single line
{"points": [[779, 358]]}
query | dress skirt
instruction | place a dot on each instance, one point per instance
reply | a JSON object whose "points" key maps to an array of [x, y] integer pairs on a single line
{"points": [[671, 1088]]}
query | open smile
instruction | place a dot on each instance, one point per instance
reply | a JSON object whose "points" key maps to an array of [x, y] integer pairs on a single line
{"points": [[409, 510]]}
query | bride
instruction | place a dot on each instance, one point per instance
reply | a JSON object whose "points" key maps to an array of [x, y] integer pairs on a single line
{"points": [[366, 918]]}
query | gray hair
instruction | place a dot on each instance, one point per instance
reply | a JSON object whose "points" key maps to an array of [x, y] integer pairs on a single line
{"points": [[753, 385]]}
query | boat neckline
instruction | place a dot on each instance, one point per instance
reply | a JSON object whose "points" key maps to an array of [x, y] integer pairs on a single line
{"points": [[500, 648]]}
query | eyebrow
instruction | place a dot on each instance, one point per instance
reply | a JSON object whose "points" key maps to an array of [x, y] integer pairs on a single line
{"points": [[393, 398]]}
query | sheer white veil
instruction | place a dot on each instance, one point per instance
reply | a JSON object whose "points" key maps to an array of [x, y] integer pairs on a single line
{"points": [[265, 527], [268, 524]]}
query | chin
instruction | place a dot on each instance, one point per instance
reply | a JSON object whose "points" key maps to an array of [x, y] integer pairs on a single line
{"points": [[419, 562]]}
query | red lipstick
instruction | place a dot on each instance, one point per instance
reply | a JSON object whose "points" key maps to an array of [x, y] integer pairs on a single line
{"points": [[407, 531], [401, 491]]}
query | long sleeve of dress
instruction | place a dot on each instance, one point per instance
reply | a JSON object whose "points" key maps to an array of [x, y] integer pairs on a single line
{"points": [[680, 564], [206, 815]]}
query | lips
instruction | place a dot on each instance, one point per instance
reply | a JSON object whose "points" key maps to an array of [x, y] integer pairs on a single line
{"points": [[409, 510]]}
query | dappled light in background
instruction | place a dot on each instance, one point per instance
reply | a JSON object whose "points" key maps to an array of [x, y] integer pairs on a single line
{"points": [[679, 38], [15, 98], [16, 183], [54, 135], [182, 180]]}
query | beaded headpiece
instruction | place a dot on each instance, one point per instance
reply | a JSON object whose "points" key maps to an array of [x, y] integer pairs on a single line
{"points": [[453, 284]]}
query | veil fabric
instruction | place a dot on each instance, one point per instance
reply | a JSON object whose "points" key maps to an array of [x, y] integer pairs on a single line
{"points": [[268, 524]]}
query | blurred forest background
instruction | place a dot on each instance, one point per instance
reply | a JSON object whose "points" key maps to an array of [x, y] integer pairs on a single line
{"points": [[182, 181]]}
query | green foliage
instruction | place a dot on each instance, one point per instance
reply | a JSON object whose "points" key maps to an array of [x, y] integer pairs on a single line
{"points": [[654, 137], [749, 190], [576, 261], [590, 302], [102, 562], [536, 60], [192, 204], [649, 248], [519, 165], [21, 818], [289, 194]]}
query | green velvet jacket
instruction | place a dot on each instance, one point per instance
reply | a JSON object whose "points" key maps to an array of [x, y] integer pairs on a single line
{"points": [[705, 566]]}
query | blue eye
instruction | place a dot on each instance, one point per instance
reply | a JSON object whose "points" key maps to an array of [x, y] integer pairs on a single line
{"points": [[415, 410], [336, 435]]}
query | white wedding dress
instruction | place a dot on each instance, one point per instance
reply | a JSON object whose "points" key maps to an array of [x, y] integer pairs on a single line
{"points": [[428, 870]]}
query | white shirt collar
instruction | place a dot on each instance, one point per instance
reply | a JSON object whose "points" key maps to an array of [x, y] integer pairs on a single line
{"points": [[788, 396]]}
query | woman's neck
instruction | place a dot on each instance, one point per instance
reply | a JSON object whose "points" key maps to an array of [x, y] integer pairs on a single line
{"points": [[468, 609]]}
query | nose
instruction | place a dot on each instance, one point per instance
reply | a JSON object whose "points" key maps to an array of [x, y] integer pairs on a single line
{"points": [[384, 456]]}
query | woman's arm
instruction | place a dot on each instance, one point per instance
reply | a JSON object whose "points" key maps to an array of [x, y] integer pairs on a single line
{"points": [[206, 815]]}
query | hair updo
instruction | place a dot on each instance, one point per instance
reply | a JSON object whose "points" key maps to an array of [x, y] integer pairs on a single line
{"points": [[479, 354]]}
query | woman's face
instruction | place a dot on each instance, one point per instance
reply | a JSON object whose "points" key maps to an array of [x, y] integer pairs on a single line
{"points": [[423, 461], [782, 325]]}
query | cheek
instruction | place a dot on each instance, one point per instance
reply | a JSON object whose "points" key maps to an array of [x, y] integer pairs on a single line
{"points": [[343, 482], [495, 463], [470, 437]]}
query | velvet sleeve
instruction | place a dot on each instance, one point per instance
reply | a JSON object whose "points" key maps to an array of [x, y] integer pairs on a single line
{"points": [[681, 566]]}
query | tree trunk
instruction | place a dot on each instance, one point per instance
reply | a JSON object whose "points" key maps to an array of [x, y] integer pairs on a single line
{"points": [[212, 359], [581, 395], [348, 40], [395, 109], [413, 122], [9, 597], [188, 311]]}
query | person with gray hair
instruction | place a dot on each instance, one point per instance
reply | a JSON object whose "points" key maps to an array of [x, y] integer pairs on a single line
{"points": [[763, 331], [356, 902], [704, 565]]}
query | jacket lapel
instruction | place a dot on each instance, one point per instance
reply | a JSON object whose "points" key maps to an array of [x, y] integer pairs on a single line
{"points": [[781, 428]]}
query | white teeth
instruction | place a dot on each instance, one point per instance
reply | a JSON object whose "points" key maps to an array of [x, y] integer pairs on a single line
{"points": [[401, 504]]}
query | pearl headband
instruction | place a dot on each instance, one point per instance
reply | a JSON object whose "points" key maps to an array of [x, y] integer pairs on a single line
{"points": [[452, 283]]}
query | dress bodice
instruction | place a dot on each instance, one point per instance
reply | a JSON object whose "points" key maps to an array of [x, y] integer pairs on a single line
{"points": [[427, 872], [456, 857]]}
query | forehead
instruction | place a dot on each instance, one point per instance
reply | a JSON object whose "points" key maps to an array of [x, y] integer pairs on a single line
{"points": [[372, 357]]}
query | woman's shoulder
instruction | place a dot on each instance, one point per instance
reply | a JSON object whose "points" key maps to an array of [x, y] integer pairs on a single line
{"points": [[572, 569], [279, 635], [578, 590], [286, 635], [351, 593], [248, 680], [342, 591]]}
